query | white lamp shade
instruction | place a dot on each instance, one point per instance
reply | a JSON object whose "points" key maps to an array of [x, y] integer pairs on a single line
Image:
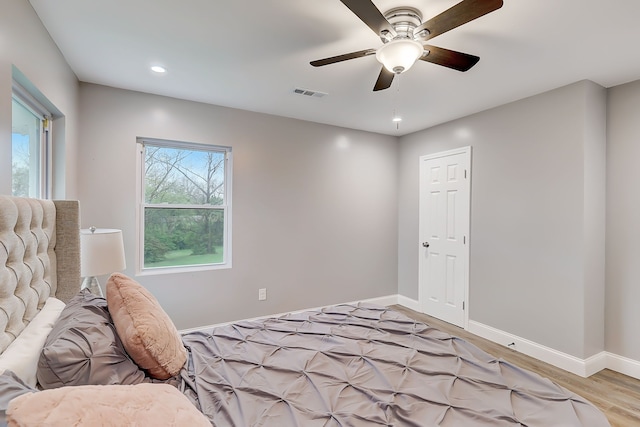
{"points": [[398, 56], [101, 252]]}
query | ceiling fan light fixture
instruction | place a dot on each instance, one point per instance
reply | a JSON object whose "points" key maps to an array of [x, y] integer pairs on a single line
{"points": [[399, 55]]}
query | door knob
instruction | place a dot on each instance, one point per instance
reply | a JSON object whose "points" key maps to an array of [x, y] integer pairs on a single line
{"points": [[425, 244]]}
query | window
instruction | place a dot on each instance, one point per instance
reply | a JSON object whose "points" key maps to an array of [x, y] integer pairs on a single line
{"points": [[30, 146], [186, 205]]}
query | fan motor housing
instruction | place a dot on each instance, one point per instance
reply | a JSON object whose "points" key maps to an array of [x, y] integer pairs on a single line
{"points": [[404, 21]]}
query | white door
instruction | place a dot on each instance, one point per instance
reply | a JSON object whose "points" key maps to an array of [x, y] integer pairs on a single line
{"points": [[444, 234]]}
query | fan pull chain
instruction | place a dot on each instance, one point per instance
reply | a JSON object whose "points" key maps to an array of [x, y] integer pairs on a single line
{"points": [[396, 96]]}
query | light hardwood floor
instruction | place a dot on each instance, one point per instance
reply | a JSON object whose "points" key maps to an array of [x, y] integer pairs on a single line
{"points": [[615, 394]]}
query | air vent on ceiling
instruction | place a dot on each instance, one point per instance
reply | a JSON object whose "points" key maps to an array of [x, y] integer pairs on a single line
{"points": [[307, 92]]}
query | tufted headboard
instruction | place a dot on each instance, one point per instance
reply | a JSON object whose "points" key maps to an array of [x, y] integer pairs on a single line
{"points": [[39, 257]]}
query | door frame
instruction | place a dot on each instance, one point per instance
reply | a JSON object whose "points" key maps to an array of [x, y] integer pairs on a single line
{"points": [[467, 231]]}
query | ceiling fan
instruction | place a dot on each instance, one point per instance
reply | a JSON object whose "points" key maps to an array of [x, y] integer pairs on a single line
{"points": [[403, 34]]}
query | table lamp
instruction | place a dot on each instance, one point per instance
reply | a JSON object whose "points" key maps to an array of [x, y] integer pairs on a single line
{"points": [[101, 252]]}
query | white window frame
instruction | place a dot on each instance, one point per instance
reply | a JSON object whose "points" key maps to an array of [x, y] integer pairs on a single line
{"points": [[43, 186], [225, 207]]}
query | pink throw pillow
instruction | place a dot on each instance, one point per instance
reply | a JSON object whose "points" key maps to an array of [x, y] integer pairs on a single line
{"points": [[110, 405], [146, 331]]}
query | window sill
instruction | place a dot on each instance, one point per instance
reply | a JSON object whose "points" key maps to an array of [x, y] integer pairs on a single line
{"points": [[186, 269]]}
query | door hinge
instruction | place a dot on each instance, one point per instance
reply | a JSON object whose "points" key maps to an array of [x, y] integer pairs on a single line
{"points": [[463, 305], [465, 174], [464, 240]]}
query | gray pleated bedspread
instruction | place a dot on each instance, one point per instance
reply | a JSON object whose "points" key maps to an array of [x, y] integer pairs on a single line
{"points": [[365, 366]]}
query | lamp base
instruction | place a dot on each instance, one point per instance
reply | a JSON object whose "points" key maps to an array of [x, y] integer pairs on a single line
{"points": [[91, 283]]}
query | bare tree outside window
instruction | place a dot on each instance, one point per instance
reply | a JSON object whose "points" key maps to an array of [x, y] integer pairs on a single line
{"points": [[184, 206], [26, 151], [20, 165]]}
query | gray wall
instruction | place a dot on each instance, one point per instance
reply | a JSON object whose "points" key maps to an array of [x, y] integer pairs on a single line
{"points": [[25, 44], [594, 218], [532, 162], [314, 206], [623, 221]]}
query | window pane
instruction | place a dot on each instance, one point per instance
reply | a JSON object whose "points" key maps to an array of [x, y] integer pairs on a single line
{"points": [[179, 237], [25, 150], [184, 176]]}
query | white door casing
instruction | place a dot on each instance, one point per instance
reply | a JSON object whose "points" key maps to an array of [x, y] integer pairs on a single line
{"points": [[445, 183]]}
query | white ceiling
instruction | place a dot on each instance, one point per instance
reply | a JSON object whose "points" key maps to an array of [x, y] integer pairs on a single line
{"points": [[251, 54]]}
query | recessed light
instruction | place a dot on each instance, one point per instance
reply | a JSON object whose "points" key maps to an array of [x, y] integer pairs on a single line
{"points": [[396, 119], [158, 69]]}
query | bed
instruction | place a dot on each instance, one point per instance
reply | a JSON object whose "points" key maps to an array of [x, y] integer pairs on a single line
{"points": [[120, 360]]}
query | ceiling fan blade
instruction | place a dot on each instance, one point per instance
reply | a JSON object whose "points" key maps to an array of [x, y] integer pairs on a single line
{"points": [[370, 15], [461, 13], [450, 58], [384, 80], [345, 57]]}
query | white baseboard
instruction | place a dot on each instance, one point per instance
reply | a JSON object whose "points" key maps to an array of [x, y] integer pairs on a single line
{"points": [[623, 365], [582, 367], [596, 363], [386, 300], [573, 364], [411, 304]]}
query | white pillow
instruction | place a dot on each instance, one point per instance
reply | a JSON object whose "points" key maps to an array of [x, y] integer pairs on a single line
{"points": [[21, 356]]}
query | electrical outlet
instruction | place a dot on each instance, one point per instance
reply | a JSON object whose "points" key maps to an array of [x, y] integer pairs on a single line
{"points": [[262, 294]]}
